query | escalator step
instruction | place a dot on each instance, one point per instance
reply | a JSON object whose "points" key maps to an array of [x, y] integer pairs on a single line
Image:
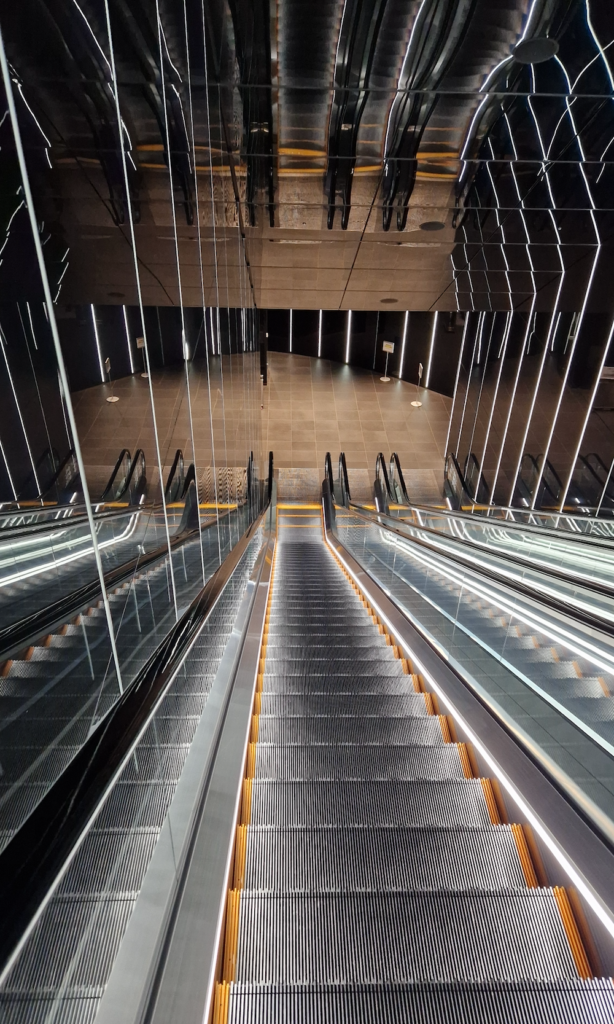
{"points": [[382, 859], [332, 704], [583, 1002], [394, 685], [327, 731], [357, 762], [393, 937], [327, 668], [369, 803]]}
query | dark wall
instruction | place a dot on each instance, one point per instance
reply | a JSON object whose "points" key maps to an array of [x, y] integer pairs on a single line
{"points": [[369, 329]]}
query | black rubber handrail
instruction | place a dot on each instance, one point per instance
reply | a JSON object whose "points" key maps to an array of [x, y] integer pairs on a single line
{"points": [[380, 470], [343, 479], [491, 574], [328, 473], [175, 483], [106, 494], [134, 482], [35, 854], [395, 469]]}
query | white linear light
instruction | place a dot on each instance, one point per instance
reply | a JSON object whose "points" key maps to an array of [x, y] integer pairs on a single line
{"points": [[589, 410], [462, 422], [555, 332], [427, 375], [97, 343], [320, 335], [458, 370], [507, 784], [566, 375], [348, 336], [531, 410], [290, 330], [512, 400], [8, 471], [128, 339], [501, 358], [403, 343]]}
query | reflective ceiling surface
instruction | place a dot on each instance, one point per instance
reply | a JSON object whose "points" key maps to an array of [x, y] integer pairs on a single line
{"points": [[421, 154]]}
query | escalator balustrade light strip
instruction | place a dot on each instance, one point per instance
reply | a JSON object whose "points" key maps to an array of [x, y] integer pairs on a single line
{"points": [[524, 855], [573, 935]]}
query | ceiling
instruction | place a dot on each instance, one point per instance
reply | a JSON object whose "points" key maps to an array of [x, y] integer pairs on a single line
{"points": [[319, 154]]}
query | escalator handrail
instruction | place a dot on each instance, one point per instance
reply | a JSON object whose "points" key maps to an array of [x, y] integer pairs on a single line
{"points": [[491, 575], [570, 576], [380, 469], [33, 857], [177, 471], [138, 466], [70, 457], [328, 473], [395, 467], [344, 482], [15, 637], [511, 524], [105, 494]]}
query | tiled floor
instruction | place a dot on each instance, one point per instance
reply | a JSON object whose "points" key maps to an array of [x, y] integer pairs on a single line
{"points": [[313, 406]]}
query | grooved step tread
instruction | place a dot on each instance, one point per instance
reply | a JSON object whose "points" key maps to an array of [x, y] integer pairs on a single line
{"points": [[378, 937], [385, 859]]}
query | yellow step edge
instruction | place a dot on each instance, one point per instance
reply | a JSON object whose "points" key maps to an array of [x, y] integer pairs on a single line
{"points": [[253, 735], [491, 803], [250, 762], [524, 855], [240, 856], [231, 938], [246, 802], [221, 1003], [464, 759], [574, 938]]}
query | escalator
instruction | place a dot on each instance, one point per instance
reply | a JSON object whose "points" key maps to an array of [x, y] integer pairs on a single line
{"points": [[304, 808], [375, 873]]}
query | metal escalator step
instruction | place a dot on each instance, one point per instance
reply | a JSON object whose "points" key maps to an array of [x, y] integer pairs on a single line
{"points": [[84, 955], [339, 669], [286, 804], [112, 863], [328, 731], [156, 763], [383, 859], [316, 641], [332, 656], [136, 804], [385, 706], [529, 1002], [393, 937], [319, 684], [358, 762]]}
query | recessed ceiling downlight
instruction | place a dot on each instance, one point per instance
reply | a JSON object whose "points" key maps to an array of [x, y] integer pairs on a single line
{"points": [[432, 225], [535, 51]]}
